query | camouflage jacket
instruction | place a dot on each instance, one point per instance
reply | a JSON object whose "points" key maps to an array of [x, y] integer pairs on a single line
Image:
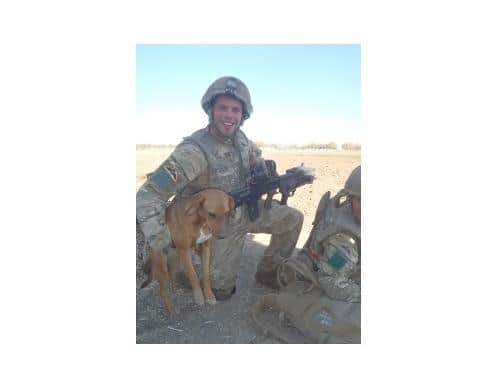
{"points": [[201, 161]]}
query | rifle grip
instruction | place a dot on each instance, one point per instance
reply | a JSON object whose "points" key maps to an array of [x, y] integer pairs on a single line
{"points": [[283, 201], [269, 197], [253, 211]]}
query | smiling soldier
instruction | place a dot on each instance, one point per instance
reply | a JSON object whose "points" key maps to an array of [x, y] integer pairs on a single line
{"points": [[219, 156]]}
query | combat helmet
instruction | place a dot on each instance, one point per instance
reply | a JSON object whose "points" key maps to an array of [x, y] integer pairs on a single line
{"points": [[231, 86], [353, 183]]}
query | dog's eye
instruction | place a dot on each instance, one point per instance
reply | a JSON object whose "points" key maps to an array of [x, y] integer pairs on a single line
{"points": [[211, 215]]}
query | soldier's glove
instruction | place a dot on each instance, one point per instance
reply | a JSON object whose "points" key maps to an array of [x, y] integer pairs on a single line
{"points": [[264, 169]]}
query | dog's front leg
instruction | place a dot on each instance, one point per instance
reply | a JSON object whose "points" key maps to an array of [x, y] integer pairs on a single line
{"points": [[206, 280], [186, 259], [173, 267]]}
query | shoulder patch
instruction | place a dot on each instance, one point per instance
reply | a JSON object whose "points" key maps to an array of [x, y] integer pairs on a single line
{"points": [[162, 178]]}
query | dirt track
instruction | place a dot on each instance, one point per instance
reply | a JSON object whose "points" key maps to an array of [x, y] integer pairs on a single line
{"points": [[229, 321]]}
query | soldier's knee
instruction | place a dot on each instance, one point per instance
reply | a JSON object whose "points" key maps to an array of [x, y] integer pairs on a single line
{"points": [[297, 217]]}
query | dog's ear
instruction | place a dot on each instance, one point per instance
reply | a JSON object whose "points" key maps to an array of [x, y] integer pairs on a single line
{"points": [[194, 205], [231, 204]]}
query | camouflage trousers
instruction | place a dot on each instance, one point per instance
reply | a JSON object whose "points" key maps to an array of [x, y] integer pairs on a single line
{"points": [[282, 222], [150, 213]]}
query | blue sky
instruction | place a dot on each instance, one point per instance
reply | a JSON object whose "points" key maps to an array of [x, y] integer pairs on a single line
{"points": [[300, 93]]}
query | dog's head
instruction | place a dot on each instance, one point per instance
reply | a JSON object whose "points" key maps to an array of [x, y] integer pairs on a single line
{"points": [[211, 206]]}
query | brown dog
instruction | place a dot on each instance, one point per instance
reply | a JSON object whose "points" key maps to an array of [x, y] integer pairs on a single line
{"points": [[192, 221]]}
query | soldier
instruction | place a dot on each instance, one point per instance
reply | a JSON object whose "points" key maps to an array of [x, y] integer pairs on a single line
{"points": [[320, 286], [333, 248], [219, 156]]}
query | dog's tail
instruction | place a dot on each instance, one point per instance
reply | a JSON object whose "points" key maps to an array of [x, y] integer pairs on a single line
{"points": [[148, 272]]}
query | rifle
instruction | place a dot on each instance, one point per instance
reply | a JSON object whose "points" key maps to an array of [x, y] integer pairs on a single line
{"points": [[260, 185]]}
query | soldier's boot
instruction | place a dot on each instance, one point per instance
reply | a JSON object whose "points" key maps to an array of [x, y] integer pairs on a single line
{"points": [[281, 247], [224, 294]]}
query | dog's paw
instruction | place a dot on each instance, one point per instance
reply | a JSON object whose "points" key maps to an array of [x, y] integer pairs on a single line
{"points": [[209, 296], [198, 298], [210, 300]]}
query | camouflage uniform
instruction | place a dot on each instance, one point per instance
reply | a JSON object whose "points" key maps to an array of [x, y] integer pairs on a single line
{"points": [[203, 161], [324, 304], [338, 269]]}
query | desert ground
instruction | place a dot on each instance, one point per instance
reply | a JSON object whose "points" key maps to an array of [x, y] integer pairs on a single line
{"points": [[229, 321]]}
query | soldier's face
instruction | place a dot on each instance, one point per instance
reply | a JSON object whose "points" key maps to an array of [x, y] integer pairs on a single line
{"points": [[227, 114]]}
